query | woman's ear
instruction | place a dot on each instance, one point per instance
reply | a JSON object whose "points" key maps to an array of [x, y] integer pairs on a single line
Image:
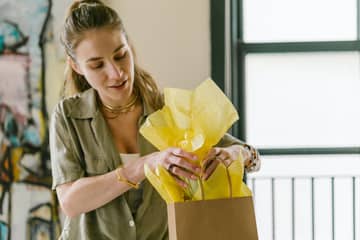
{"points": [[74, 66]]}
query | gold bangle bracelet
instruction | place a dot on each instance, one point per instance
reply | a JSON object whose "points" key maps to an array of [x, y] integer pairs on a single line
{"points": [[120, 178]]}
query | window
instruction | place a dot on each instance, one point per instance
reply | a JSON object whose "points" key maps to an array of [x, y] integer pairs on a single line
{"points": [[292, 68]]}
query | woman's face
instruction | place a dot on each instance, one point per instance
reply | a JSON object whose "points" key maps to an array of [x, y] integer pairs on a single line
{"points": [[105, 59]]}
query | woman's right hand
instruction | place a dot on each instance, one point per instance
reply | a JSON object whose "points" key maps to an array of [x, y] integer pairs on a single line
{"points": [[179, 163]]}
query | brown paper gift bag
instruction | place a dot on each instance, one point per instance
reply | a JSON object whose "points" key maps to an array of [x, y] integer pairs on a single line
{"points": [[219, 219]]}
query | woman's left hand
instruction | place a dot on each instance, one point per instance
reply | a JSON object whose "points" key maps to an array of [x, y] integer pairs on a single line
{"points": [[216, 155], [229, 154]]}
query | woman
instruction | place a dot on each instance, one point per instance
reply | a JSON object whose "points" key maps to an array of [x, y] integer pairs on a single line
{"points": [[96, 130]]}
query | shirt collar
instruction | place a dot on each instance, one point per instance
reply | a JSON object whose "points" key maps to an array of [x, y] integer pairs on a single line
{"points": [[84, 105]]}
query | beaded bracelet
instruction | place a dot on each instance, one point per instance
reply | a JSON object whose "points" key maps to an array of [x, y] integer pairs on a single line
{"points": [[120, 178]]}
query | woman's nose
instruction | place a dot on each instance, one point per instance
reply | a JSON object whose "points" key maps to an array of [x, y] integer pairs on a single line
{"points": [[114, 71]]}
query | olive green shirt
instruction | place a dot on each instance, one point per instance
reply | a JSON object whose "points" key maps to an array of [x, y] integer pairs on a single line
{"points": [[81, 146]]}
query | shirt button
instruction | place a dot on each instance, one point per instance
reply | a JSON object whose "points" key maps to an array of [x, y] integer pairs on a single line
{"points": [[131, 223]]}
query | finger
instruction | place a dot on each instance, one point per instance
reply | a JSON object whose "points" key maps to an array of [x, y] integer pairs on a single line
{"points": [[169, 166], [209, 171], [218, 151], [208, 158], [212, 153], [179, 181], [182, 173], [222, 155], [225, 158], [208, 163], [184, 163], [181, 153]]}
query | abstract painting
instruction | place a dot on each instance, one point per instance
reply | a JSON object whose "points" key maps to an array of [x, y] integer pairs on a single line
{"points": [[28, 207]]}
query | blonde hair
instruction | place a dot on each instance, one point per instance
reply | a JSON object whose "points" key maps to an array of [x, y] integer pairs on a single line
{"points": [[86, 15]]}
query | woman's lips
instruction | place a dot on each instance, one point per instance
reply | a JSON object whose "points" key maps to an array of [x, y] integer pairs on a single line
{"points": [[118, 86]]}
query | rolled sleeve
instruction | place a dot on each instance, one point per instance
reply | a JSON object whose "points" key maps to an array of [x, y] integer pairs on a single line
{"points": [[65, 164], [228, 140]]}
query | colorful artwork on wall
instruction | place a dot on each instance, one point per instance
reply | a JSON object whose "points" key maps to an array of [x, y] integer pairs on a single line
{"points": [[27, 204]]}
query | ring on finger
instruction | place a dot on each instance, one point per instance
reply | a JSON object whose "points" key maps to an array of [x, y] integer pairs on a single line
{"points": [[170, 167]]}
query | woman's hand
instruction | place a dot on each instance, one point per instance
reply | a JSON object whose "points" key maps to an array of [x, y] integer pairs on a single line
{"points": [[229, 154], [178, 162], [216, 155]]}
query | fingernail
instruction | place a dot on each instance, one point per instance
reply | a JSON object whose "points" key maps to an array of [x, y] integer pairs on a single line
{"points": [[194, 157], [193, 177]]}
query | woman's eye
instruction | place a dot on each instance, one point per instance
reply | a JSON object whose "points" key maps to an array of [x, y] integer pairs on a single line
{"points": [[97, 66], [120, 56]]}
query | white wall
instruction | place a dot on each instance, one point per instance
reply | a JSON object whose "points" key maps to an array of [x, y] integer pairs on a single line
{"points": [[171, 38]]}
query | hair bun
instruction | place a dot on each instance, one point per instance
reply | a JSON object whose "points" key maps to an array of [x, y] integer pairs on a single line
{"points": [[80, 3]]}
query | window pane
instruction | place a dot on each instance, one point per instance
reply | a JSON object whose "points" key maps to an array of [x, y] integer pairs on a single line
{"points": [[299, 20], [302, 100], [302, 168]]}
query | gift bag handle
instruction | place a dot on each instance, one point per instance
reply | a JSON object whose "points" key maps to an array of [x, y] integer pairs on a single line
{"points": [[229, 183]]}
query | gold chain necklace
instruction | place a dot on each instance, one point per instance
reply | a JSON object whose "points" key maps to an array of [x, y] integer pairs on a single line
{"points": [[116, 111]]}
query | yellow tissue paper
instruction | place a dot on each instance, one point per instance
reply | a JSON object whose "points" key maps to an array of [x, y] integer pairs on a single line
{"points": [[194, 121], [225, 182]]}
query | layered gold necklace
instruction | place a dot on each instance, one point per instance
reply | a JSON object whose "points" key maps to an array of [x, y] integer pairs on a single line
{"points": [[116, 111]]}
